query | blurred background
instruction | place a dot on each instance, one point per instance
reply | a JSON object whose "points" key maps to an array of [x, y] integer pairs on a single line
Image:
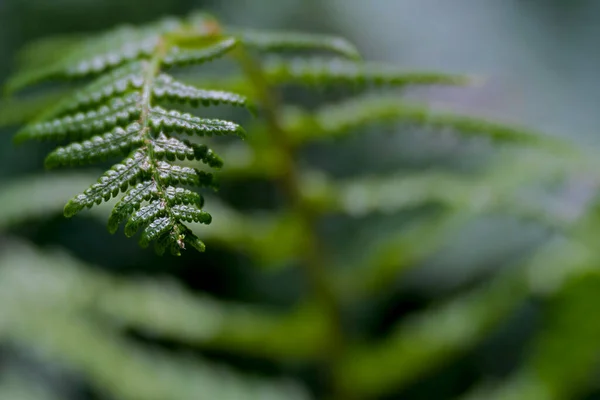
{"points": [[537, 60]]}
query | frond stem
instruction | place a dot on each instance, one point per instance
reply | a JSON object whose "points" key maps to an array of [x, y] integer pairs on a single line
{"points": [[313, 262], [151, 72]]}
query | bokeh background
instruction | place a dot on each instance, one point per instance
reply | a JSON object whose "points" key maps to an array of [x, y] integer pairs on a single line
{"points": [[537, 60]]}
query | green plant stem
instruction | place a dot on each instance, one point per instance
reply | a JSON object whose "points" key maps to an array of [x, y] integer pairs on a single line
{"points": [[313, 263]]}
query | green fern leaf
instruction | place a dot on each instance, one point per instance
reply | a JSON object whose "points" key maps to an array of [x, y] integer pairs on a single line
{"points": [[117, 142], [167, 88], [143, 191], [116, 115], [184, 175], [114, 181], [340, 119], [265, 41], [181, 56], [54, 324], [326, 71], [22, 200], [119, 112], [174, 149], [20, 110], [430, 338], [115, 83], [175, 121], [183, 196]]}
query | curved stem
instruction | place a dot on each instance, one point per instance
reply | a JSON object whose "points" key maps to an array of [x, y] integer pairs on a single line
{"points": [[313, 262]]}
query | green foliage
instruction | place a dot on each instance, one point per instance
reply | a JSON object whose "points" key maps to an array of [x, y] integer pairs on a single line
{"points": [[55, 328], [136, 107]]}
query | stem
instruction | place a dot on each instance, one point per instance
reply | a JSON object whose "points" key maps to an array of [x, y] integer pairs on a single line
{"points": [[313, 263], [152, 70]]}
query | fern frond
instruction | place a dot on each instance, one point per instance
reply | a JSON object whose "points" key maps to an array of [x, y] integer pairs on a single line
{"points": [[497, 190], [429, 338], [566, 374], [118, 112], [118, 142], [212, 49], [46, 51], [115, 180], [167, 88], [142, 192], [268, 41], [175, 121], [116, 115], [340, 119], [115, 83], [19, 110], [34, 197], [327, 71], [388, 258], [16, 384], [175, 149]]}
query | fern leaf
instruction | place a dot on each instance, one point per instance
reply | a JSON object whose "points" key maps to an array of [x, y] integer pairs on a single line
{"points": [[15, 384], [143, 191], [47, 317], [155, 228], [115, 83], [564, 374], [46, 51], [118, 112], [389, 257], [324, 71], [181, 56], [191, 214], [115, 180], [20, 110], [117, 142], [172, 149], [183, 196], [167, 88], [429, 338], [126, 121], [145, 216], [175, 121], [340, 119], [265, 41], [22, 200], [184, 175]]}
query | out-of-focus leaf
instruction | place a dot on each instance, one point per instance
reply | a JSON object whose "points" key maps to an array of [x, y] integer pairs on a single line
{"points": [[18, 110], [388, 258], [20, 386], [424, 341], [564, 357], [38, 196], [494, 190], [339, 119], [325, 71], [42, 296], [160, 308]]}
